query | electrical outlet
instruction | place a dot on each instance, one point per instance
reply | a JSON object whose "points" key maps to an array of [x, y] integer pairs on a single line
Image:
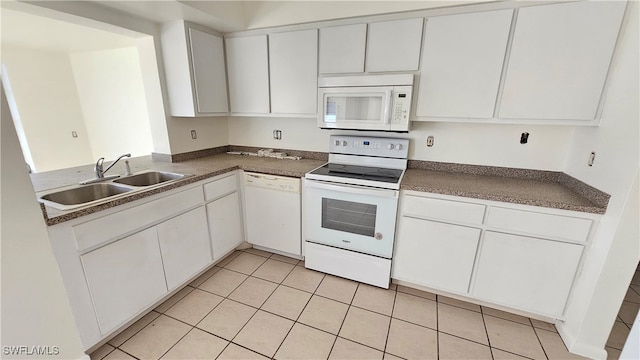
{"points": [[194, 135], [277, 134], [430, 141], [592, 158]]}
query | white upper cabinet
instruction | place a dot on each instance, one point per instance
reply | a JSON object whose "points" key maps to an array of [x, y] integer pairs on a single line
{"points": [[394, 45], [194, 69], [559, 60], [293, 65], [248, 69], [342, 49], [462, 62]]}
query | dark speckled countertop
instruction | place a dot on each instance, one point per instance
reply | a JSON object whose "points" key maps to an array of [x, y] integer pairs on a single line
{"points": [[199, 169], [533, 192], [545, 192]]}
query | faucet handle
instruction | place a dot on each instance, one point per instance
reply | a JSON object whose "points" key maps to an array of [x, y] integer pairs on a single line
{"points": [[98, 167]]}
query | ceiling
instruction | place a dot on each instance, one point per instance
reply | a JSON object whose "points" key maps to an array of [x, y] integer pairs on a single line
{"points": [[21, 29], [230, 16]]}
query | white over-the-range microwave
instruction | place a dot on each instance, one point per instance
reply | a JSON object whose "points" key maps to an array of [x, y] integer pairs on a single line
{"points": [[365, 102]]}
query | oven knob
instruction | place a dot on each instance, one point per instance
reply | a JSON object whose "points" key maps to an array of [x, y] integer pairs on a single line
{"points": [[344, 143], [399, 147], [390, 146], [378, 236], [337, 142]]}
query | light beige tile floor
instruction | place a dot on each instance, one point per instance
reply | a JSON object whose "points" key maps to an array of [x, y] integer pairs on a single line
{"points": [[258, 305], [625, 319]]}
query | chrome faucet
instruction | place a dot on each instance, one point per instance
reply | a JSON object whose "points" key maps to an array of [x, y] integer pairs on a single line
{"points": [[98, 168]]}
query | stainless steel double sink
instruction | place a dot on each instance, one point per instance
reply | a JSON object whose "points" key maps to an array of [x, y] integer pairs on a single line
{"points": [[83, 195]]}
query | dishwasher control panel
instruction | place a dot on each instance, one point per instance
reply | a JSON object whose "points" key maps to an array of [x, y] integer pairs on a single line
{"points": [[274, 182]]}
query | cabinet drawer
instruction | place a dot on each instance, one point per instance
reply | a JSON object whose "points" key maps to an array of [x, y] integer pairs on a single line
{"points": [[538, 224], [94, 232], [218, 188], [443, 209]]}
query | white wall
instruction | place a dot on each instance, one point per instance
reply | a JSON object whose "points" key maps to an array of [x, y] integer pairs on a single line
{"points": [[153, 95], [49, 109], [35, 309], [211, 131], [170, 135], [480, 144], [113, 103], [614, 252]]}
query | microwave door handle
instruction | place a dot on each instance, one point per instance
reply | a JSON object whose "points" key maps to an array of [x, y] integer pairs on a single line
{"points": [[387, 107]]}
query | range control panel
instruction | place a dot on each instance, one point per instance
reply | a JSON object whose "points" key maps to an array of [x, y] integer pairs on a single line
{"points": [[369, 146]]}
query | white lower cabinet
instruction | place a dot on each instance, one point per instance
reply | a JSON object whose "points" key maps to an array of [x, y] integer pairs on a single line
{"points": [[513, 256], [184, 244], [526, 273], [119, 263], [225, 224], [434, 254], [124, 277]]}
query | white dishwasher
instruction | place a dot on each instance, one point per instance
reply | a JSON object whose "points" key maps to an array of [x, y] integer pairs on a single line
{"points": [[272, 210]]}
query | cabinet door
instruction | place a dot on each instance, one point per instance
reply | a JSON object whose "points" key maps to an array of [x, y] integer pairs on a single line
{"points": [[225, 224], [210, 81], [293, 65], [124, 278], [184, 243], [434, 254], [462, 62], [394, 45], [559, 60], [526, 273], [248, 69], [342, 49]]}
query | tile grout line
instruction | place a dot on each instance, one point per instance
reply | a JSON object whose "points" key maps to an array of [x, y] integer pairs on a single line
{"points": [[489, 338], [393, 308], [486, 333], [539, 341], [259, 309], [345, 314], [294, 321], [438, 328]]}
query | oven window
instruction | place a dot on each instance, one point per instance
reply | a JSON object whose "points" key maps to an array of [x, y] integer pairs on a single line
{"points": [[348, 216]]}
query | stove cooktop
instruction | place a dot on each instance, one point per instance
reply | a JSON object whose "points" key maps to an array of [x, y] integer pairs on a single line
{"points": [[369, 173]]}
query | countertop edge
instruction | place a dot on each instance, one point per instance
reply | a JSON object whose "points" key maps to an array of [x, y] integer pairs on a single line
{"points": [[551, 177]]}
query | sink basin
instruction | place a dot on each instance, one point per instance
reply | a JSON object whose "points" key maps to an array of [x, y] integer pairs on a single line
{"points": [[85, 194], [148, 178]]}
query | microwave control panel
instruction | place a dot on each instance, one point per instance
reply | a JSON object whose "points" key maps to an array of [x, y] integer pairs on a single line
{"points": [[401, 106]]}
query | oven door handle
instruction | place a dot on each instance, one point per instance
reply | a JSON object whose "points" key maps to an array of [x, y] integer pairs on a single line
{"points": [[346, 188]]}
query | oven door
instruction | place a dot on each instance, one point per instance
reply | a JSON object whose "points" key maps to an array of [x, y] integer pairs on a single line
{"points": [[362, 108], [350, 217]]}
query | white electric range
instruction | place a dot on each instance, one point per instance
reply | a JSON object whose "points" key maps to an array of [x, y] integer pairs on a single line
{"points": [[350, 206]]}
